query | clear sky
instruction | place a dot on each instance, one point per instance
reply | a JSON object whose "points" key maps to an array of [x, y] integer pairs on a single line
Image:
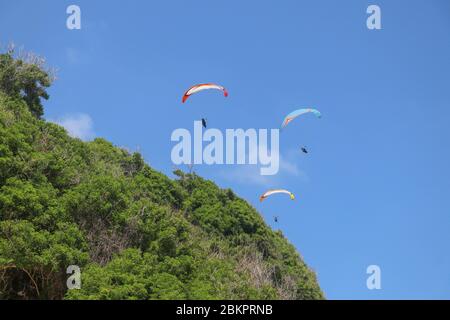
{"points": [[375, 187]]}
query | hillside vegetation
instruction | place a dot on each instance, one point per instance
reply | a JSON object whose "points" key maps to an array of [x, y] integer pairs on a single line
{"points": [[134, 232]]}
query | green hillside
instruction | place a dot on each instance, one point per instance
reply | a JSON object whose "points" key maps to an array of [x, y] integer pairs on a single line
{"points": [[134, 232]]}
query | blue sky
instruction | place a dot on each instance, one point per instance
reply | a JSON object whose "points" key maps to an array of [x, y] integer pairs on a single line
{"points": [[375, 187]]}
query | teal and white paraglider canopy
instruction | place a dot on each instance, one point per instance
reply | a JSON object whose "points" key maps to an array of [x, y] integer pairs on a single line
{"points": [[294, 114]]}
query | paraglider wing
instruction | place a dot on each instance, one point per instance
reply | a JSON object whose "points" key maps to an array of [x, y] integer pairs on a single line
{"points": [[291, 116], [271, 192], [201, 87]]}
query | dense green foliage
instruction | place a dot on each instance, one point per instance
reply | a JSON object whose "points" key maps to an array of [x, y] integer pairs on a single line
{"points": [[25, 78], [135, 233]]}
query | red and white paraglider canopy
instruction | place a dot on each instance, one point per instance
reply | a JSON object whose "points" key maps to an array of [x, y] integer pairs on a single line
{"points": [[201, 87]]}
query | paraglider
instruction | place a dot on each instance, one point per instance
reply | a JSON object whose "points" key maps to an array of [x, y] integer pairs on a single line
{"points": [[304, 150], [271, 192], [275, 218], [291, 116], [201, 87], [204, 123]]}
